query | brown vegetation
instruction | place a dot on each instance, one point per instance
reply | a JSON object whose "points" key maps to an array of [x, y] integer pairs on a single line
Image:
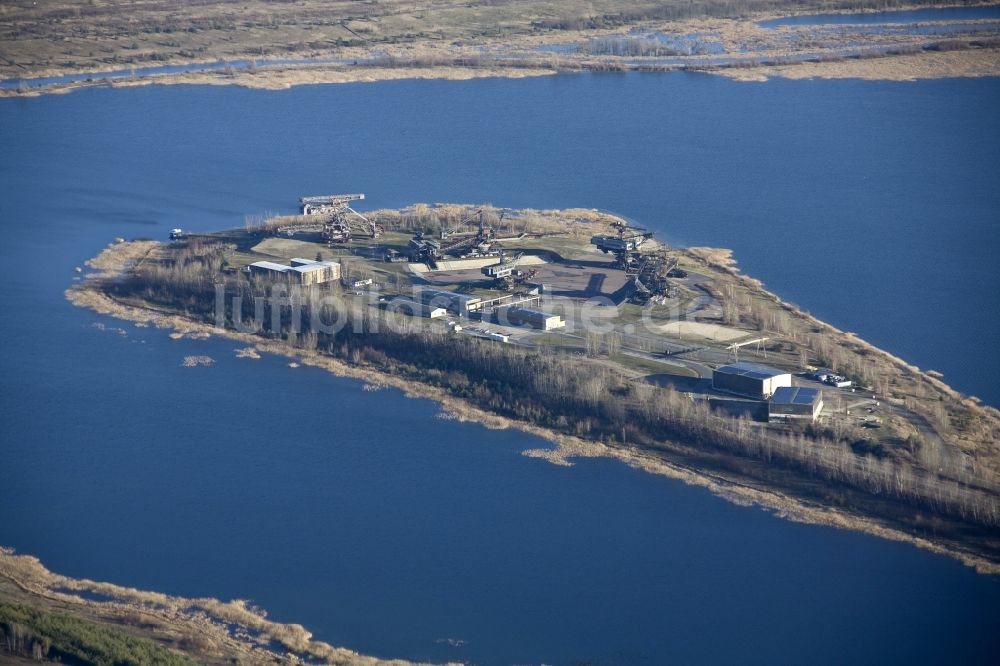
{"points": [[348, 41], [210, 630]]}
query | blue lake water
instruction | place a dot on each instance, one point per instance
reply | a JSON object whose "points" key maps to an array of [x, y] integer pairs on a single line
{"points": [[905, 16], [382, 528]]}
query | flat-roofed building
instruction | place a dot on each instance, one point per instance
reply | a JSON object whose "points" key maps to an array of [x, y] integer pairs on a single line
{"points": [[417, 309], [752, 380], [269, 269], [315, 272], [544, 321], [459, 304], [301, 271], [795, 402]]}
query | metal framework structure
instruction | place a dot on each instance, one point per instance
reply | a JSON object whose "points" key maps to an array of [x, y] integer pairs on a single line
{"points": [[506, 274], [340, 221], [424, 250], [624, 243], [650, 273], [480, 244], [735, 347]]}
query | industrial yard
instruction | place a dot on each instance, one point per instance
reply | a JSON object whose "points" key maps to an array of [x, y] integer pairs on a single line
{"points": [[582, 283]]}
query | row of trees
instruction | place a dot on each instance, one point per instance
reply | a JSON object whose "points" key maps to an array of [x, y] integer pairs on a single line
{"points": [[642, 47], [570, 394]]}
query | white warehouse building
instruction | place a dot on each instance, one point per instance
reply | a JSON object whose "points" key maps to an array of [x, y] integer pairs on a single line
{"points": [[302, 271], [752, 380]]}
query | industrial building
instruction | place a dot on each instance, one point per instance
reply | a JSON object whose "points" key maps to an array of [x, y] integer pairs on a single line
{"points": [[750, 379], [530, 297], [794, 402], [460, 304], [416, 309], [301, 271], [544, 321]]}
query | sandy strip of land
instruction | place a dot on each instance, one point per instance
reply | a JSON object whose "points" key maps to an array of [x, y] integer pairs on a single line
{"points": [[974, 63], [565, 448], [926, 65], [699, 330], [472, 264], [287, 77]]}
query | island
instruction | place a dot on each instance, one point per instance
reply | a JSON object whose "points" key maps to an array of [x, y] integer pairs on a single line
{"points": [[584, 329]]}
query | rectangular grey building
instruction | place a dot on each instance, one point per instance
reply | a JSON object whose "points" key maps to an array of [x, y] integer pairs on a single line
{"points": [[302, 271], [752, 380], [795, 402], [459, 304], [545, 321]]}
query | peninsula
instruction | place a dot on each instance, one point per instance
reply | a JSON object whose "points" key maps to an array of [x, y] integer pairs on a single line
{"points": [[581, 328]]}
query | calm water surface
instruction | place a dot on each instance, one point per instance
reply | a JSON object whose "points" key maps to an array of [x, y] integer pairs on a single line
{"points": [[387, 530]]}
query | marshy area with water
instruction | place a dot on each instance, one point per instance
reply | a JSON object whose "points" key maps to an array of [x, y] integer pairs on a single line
{"points": [[698, 44]]}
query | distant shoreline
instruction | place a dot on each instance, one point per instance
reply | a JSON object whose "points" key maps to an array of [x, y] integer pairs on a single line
{"points": [[524, 54], [902, 68]]}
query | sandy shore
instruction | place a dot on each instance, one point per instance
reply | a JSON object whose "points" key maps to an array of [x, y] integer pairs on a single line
{"points": [[565, 448], [288, 77], [913, 67]]}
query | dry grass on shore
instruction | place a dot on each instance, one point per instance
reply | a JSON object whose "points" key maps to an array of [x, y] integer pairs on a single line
{"points": [[199, 626], [907, 67], [566, 447]]}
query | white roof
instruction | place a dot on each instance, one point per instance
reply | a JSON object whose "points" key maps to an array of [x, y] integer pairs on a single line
{"points": [[308, 265], [271, 266], [529, 313], [311, 262]]}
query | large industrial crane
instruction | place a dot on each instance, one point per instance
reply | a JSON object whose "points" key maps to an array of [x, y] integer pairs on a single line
{"points": [[648, 272], [506, 274], [623, 244], [481, 243], [650, 276], [340, 220]]}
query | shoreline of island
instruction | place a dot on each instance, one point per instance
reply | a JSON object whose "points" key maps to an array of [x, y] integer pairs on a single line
{"points": [[565, 447]]}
